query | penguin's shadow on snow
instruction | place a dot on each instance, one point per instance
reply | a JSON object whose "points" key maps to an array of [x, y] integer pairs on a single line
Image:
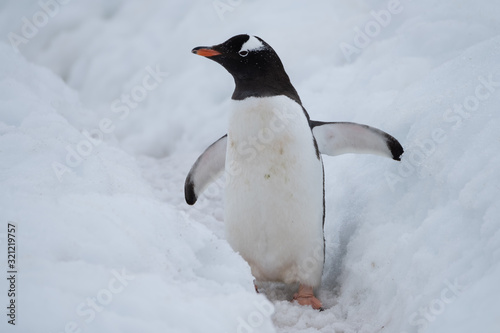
{"points": [[336, 244]]}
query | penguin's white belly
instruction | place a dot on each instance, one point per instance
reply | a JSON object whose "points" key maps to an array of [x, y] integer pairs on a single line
{"points": [[274, 191]]}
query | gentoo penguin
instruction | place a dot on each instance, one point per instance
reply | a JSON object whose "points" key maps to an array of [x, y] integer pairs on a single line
{"points": [[271, 155]]}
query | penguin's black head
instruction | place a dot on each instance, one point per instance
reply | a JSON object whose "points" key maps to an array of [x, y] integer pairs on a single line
{"points": [[244, 56], [256, 68]]}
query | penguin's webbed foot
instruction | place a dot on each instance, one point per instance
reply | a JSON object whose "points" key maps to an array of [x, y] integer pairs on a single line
{"points": [[305, 296]]}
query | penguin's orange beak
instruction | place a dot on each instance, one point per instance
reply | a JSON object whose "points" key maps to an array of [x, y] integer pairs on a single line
{"points": [[205, 51]]}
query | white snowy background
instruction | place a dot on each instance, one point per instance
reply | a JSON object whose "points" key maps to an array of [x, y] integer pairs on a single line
{"points": [[105, 241]]}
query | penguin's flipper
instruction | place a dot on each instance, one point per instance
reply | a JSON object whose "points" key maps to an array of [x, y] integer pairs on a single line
{"points": [[205, 170], [338, 138]]}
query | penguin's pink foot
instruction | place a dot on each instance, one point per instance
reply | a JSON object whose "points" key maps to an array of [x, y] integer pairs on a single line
{"points": [[305, 296], [256, 288]]}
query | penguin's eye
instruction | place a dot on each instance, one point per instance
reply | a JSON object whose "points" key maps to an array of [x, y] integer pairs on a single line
{"points": [[243, 53]]}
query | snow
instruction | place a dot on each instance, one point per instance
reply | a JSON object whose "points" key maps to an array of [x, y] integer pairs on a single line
{"points": [[103, 110]]}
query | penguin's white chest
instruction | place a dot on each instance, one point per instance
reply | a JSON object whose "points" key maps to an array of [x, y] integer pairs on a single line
{"points": [[274, 191]]}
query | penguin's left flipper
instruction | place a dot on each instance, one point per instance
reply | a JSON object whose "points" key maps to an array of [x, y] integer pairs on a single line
{"points": [[336, 138], [205, 170]]}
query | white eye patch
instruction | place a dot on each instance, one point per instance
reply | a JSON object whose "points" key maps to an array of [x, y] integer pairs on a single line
{"points": [[252, 44]]}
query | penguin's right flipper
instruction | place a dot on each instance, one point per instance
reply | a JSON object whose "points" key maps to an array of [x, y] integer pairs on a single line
{"points": [[336, 138], [205, 170]]}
